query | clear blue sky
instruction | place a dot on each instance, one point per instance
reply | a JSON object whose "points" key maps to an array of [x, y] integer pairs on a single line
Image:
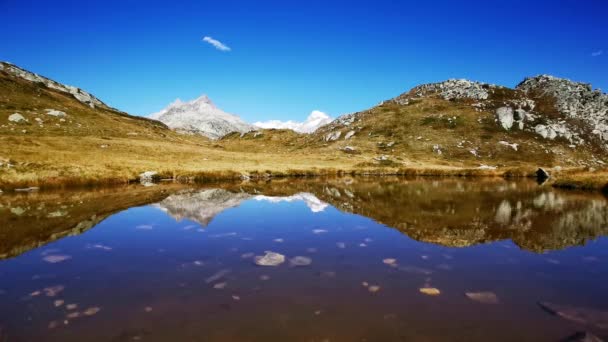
{"points": [[290, 57]]}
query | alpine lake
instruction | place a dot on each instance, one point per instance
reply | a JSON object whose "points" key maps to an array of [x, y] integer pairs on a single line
{"points": [[336, 259]]}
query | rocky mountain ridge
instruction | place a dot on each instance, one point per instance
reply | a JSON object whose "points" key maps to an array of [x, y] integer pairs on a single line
{"points": [[77, 93], [550, 106]]}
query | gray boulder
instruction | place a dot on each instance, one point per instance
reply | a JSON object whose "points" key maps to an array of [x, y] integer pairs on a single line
{"points": [[505, 117]]}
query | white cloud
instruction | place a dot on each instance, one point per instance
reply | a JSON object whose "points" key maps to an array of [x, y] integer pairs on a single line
{"points": [[597, 53], [315, 120], [216, 43]]}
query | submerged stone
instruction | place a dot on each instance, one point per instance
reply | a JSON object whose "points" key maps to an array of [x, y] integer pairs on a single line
{"points": [[586, 316], [300, 261], [373, 288], [430, 291], [53, 259], [91, 311], [483, 297], [269, 259], [390, 261]]}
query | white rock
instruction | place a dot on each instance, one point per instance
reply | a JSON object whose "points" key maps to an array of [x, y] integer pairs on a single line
{"points": [[17, 118], [349, 135], [332, 136], [505, 117], [513, 145], [147, 178], [54, 112]]}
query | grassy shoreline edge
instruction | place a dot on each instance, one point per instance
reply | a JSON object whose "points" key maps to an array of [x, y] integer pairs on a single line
{"points": [[573, 179]]}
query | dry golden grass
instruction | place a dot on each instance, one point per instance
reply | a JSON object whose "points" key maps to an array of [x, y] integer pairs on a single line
{"points": [[102, 145], [583, 180]]}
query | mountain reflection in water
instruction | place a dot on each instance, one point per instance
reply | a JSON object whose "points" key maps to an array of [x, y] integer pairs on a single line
{"points": [[455, 213], [340, 259]]}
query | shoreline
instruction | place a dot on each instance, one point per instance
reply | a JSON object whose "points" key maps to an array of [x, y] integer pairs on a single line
{"points": [[570, 179]]}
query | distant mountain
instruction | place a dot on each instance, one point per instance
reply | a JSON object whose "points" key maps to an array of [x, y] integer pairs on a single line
{"points": [[200, 116]]}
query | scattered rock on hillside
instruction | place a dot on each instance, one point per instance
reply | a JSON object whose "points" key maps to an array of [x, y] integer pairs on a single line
{"points": [[16, 118], [437, 149], [54, 112], [333, 136], [514, 146], [349, 150], [349, 135], [505, 117]]}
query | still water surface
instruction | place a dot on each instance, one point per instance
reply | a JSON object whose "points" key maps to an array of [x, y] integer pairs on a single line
{"points": [[364, 260]]}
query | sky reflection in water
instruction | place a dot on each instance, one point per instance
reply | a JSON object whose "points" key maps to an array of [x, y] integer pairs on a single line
{"points": [[392, 260]]}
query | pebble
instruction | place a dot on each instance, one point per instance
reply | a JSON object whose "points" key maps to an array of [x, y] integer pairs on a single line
{"points": [[220, 286], [390, 261], [373, 288], [269, 259], [300, 261], [431, 291], [91, 311], [53, 259], [483, 297]]}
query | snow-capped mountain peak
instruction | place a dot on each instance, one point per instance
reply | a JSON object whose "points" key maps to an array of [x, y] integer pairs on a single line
{"points": [[200, 116]]}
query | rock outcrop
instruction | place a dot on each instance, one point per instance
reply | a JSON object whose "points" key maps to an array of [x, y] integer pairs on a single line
{"points": [[77, 93], [573, 100]]}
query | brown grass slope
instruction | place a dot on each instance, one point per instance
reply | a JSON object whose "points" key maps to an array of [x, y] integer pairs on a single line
{"points": [[425, 136]]}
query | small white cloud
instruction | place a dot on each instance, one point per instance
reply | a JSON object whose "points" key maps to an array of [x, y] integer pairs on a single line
{"points": [[216, 43], [315, 120], [597, 53]]}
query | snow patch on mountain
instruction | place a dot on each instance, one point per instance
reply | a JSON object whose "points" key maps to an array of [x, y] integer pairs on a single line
{"points": [[200, 116], [315, 120]]}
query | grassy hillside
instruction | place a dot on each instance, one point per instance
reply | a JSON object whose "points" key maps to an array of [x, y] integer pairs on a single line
{"points": [[427, 135]]}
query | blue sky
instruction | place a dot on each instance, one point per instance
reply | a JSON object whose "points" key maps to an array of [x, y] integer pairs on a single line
{"points": [[289, 58]]}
